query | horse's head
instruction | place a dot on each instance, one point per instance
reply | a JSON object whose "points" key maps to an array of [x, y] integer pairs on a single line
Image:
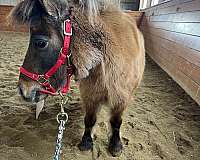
{"points": [[45, 20]]}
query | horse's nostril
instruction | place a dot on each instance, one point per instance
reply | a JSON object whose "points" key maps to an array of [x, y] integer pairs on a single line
{"points": [[20, 91], [27, 96]]}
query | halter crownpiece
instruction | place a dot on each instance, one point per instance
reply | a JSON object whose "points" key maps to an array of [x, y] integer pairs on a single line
{"points": [[43, 80]]}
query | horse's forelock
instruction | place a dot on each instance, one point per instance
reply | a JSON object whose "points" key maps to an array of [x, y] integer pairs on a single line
{"points": [[24, 11]]}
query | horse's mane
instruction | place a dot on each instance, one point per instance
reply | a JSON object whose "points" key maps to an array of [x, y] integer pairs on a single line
{"points": [[27, 9], [94, 7]]}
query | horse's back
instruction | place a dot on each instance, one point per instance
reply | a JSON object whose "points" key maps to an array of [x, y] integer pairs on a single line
{"points": [[122, 32], [125, 54]]}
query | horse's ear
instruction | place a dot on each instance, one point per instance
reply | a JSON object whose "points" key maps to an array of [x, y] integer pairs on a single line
{"points": [[55, 8], [21, 13]]}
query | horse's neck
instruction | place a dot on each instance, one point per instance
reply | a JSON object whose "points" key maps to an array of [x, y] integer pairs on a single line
{"points": [[96, 34]]}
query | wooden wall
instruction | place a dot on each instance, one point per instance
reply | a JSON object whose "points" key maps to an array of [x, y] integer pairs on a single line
{"points": [[4, 11], [136, 15], [172, 39]]}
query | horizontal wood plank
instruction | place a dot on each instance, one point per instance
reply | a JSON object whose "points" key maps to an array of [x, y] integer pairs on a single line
{"points": [[186, 40], [185, 28], [136, 15], [186, 6], [187, 17]]}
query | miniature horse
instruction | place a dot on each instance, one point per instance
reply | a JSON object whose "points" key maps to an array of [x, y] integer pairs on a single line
{"points": [[107, 52]]}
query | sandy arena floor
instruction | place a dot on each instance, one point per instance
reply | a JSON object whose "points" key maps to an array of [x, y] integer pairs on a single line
{"points": [[162, 123]]}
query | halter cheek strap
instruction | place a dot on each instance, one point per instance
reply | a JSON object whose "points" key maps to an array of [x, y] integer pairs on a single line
{"points": [[43, 80]]}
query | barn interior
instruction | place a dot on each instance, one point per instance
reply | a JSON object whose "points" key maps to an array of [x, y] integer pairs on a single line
{"points": [[163, 121]]}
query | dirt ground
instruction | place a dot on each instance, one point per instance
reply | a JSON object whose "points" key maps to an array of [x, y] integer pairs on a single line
{"points": [[163, 122]]}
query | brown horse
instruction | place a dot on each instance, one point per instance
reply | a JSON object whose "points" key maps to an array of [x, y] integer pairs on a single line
{"points": [[107, 51]]}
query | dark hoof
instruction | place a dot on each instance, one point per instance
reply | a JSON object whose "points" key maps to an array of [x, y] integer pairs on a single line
{"points": [[86, 144], [115, 148]]}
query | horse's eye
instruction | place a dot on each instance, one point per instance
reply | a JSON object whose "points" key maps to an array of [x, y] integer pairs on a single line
{"points": [[40, 44]]}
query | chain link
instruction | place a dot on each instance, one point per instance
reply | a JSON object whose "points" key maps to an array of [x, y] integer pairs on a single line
{"points": [[62, 118], [58, 150]]}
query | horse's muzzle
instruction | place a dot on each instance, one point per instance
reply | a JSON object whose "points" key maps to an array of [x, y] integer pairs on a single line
{"points": [[30, 91]]}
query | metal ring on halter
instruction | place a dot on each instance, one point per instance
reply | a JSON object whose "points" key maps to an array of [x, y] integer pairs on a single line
{"points": [[60, 94], [42, 80], [62, 116]]}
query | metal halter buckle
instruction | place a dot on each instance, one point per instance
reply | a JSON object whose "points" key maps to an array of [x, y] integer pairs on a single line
{"points": [[64, 28], [42, 80], [68, 59]]}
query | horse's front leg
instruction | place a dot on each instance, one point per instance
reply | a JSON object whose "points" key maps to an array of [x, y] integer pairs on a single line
{"points": [[90, 120]]}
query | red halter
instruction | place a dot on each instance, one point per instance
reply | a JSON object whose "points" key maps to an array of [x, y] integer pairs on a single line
{"points": [[43, 80]]}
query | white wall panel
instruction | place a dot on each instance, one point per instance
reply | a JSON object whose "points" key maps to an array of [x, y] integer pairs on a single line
{"points": [[9, 2]]}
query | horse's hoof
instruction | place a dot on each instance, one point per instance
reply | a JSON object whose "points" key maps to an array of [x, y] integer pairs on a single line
{"points": [[115, 149], [86, 144]]}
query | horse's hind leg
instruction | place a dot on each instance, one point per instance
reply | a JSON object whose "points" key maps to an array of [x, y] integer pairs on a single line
{"points": [[90, 120], [115, 144]]}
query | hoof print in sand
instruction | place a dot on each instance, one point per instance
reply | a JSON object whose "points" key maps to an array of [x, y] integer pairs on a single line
{"points": [[183, 144]]}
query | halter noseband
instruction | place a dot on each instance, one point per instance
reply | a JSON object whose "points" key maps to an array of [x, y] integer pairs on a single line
{"points": [[43, 80]]}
